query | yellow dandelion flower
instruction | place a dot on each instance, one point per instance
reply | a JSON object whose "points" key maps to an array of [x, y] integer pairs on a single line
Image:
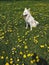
{"points": [[23, 36], [10, 30], [32, 54], [29, 38], [18, 36], [14, 48], [34, 37], [7, 40], [31, 61], [7, 63], [48, 50], [11, 62], [18, 59], [2, 57], [23, 64], [45, 44], [28, 55], [48, 47], [26, 33], [0, 30], [37, 36], [20, 40], [21, 52], [37, 57], [24, 42], [12, 53], [2, 33], [26, 47], [18, 46], [2, 37], [25, 39], [3, 52], [11, 58], [24, 56], [6, 43], [42, 46], [17, 64], [34, 60], [35, 41], [26, 50], [37, 60], [17, 33], [6, 57]]}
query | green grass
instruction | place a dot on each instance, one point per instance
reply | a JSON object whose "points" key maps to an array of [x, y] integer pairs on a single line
{"points": [[15, 41]]}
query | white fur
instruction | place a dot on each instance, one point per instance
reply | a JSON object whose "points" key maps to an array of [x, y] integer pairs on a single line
{"points": [[29, 19]]}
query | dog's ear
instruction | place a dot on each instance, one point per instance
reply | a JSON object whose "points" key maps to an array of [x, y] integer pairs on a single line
{"points": [[29, 9], [25, 8]]}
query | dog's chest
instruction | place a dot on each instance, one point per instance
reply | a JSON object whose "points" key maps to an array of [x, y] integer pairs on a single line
{"points": [[29, 19]]}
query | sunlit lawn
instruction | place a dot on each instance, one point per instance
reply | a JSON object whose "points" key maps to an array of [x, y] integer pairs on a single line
{"points": [[17, 44]]}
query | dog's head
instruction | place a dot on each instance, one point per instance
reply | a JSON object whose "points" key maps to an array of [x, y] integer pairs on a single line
{"points": [[26, 12]]}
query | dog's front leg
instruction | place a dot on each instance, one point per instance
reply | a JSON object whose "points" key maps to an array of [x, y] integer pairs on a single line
{"points": [[30, 27], [26, 25]]}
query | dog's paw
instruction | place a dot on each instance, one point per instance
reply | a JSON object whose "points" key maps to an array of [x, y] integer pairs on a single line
{"points": [[26, 28], [31, 29]]}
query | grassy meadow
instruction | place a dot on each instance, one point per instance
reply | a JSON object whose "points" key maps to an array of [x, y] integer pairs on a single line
{"points": [[18, 44]]}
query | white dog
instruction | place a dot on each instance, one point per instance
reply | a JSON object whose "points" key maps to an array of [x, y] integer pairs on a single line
{"points": [[29, 19]]}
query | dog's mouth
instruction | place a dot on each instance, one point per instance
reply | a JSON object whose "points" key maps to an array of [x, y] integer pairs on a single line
{"points": [[25, 15]]}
